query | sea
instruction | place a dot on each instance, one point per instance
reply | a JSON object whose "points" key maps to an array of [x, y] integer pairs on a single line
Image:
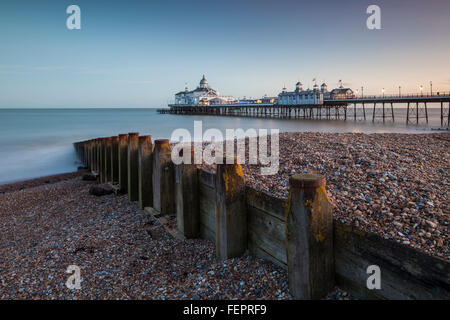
{"points": [[39, 142]]}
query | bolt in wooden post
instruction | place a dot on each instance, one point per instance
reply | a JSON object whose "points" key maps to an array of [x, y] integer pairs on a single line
{"points": [[163, 178], [123, 162], [231, 216], [108, 144], [309, 238], [133, 170], [114, 160], [187, 198], [145, 172]]}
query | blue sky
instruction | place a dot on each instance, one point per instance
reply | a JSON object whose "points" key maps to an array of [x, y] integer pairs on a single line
{"points": [[139, 53]]}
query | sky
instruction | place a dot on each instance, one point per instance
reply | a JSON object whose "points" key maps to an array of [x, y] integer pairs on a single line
{"points": [[138, 53]]}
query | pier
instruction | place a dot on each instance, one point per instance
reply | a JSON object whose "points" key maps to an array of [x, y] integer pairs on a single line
{"points": [[332, 109]]}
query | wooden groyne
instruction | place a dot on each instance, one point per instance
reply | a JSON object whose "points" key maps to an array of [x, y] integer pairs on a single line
{"points": [[298, 234]]}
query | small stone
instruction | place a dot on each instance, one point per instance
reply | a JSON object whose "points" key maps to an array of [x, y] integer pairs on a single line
{"points": [[89, 177], [101, 190]]}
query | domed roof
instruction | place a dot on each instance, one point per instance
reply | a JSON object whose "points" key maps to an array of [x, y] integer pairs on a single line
{"points": [[299, 84], [323, 84], [203, 83]]}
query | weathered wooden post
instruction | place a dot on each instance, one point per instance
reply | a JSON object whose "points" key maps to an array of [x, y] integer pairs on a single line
{"points": [[145, 172], [133, 170], [91, 151], [78, 146], [231, 216], [309, 238], [94, 155], [187, 198], [163, 178], [88, 154], [102, 160], [123, 162], [83, 152], [108, 144], [114, 160], [75, 145], [82, 148], [97, 163]]}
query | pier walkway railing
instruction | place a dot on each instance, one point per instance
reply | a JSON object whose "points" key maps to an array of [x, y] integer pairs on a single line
{"points": [[353, 108]]}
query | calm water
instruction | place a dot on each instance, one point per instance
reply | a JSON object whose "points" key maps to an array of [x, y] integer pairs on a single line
{"points": [[38, 142]]}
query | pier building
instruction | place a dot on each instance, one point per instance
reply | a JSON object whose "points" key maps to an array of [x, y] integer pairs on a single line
{"points": [[202, 95]]}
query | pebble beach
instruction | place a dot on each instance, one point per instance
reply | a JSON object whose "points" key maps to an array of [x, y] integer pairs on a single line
{"points": [[395, 185], [121, 252]]}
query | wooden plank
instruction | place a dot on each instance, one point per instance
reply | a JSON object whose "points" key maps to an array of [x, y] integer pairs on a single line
{"points": [[208, 218], [208, 178], [271, 226], [207, 206], [207, 233], [261, 254], [269, 204], [187, 200], [258, 241], [406, 273]]}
